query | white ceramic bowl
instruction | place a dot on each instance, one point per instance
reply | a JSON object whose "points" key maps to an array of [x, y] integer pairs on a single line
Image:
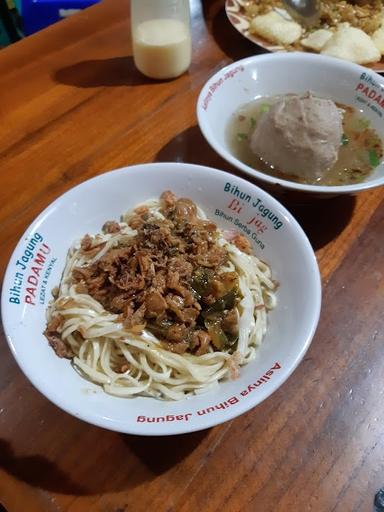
{"points": [[84, 209], [282, 73]]}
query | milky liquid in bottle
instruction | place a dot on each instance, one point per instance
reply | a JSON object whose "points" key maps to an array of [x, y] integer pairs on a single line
{"points": [[162, 48], [162, 44]]}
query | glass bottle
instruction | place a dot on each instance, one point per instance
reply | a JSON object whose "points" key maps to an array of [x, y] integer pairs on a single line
{"points": [[161, 37]]}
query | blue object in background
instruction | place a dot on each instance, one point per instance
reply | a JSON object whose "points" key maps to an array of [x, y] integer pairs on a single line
{"points": [[38, 14], [10, 23]]}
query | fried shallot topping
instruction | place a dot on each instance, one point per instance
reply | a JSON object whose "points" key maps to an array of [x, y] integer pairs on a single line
{"points": [[168, 278]]}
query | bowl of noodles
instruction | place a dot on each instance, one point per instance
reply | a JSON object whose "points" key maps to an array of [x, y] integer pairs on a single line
{"points": [[161, 299]]}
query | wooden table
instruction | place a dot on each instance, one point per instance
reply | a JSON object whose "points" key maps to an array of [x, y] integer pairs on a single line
{"points": [[72, 106]]}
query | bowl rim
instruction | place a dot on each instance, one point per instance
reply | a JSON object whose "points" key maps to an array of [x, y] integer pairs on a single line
{"points": [[302, 57], [115, 425]]}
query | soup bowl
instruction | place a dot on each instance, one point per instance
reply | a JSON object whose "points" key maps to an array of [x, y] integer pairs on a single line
{"points": [[276, 74]]}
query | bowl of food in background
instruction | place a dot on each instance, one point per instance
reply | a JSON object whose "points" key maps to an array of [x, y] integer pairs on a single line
{"points": [[349, 30], [161, 298], [297, 122]]}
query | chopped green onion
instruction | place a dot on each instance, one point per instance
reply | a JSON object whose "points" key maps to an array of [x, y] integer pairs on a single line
{"points": [[242, 136], [253, 122], [265, 107], [373, 158], [344, 140], [201, 281], [357, 177], [363, 123], [218, 336], [226, 302]]}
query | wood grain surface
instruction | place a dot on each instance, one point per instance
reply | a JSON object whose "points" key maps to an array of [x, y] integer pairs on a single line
{"points": [[73, 106]]}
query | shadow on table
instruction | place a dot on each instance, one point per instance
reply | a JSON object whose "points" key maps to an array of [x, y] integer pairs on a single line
{"points": [[36, 470], [231, 42], [135, 459], [190, 146], [322, 219], [159, 454], [102, 73]]}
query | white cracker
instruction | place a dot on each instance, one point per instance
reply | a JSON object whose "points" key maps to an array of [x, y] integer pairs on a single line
{"points": [[275, 28], [317, 39], [352, 44], [378, 38]]}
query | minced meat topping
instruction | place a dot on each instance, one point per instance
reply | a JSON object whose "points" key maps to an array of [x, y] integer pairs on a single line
{"points": [[168, 279]]}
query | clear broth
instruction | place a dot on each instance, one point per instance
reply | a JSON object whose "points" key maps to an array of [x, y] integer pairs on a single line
{"points": [[361, 149]]}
